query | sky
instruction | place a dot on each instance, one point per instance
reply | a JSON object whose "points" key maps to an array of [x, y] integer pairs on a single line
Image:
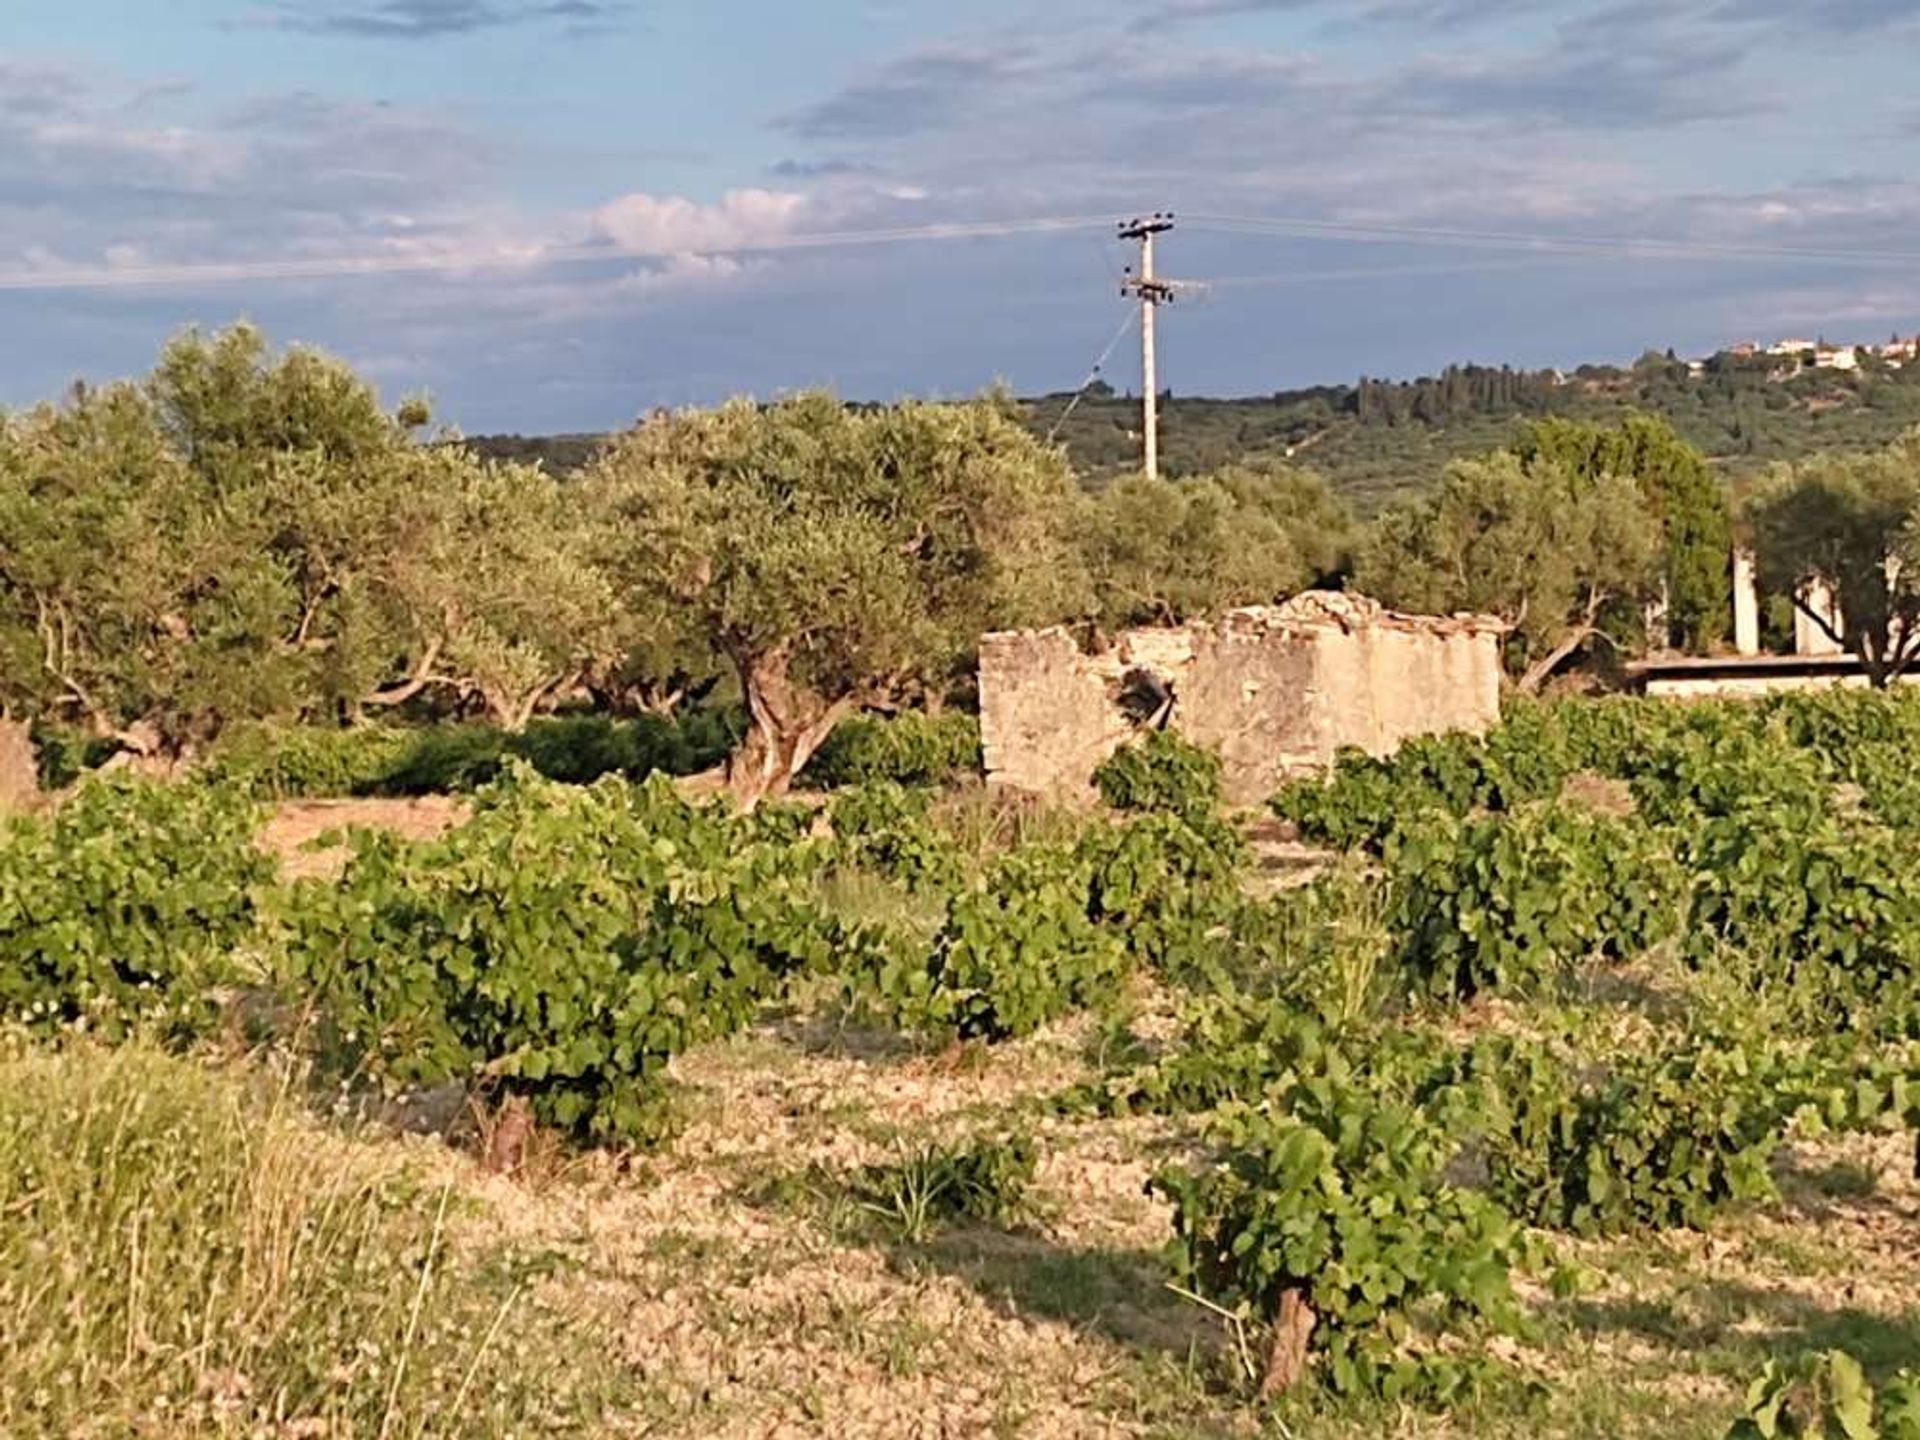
{"points": [[556, 215]]}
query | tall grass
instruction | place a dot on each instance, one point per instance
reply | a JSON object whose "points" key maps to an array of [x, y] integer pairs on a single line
{"points": [[184, 1253]]}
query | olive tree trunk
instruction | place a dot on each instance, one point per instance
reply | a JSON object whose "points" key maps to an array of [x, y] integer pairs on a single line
{"points": [[786, 723]]}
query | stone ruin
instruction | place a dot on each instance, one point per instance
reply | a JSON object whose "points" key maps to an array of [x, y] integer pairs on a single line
{"points": [[19, 769], [1276, 690]]}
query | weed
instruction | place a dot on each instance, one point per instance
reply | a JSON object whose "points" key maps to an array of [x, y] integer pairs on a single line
{"points": [[182, 1253], [930, 1184]]}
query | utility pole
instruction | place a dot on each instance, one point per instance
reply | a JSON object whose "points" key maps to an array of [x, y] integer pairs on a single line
{"points": [[1153, 294]]}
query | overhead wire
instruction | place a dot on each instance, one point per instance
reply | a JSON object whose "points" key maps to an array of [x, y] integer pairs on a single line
{"points": [[1545, 248], [1126, 324], [1648, 247], [1366, 272], [113, 276], [90, 277]]}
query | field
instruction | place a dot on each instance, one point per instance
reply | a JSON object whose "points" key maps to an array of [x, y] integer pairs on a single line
{"points": [[1568, 1088]]}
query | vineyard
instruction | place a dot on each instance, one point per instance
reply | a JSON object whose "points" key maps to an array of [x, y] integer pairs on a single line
{"points": [[1560, 1081]]}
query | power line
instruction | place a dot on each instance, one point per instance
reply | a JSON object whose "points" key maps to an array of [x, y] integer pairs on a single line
{"points": [[98, 277], [1641, 247], [1126, 324], [108, 277], [1372, 272]]}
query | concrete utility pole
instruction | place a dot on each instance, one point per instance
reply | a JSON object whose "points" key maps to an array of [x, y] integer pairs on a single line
{"points": [[1153, 293]]}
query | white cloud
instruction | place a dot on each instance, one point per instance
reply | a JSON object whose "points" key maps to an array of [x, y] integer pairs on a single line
{"points": [[683, 272], [674, 225]]}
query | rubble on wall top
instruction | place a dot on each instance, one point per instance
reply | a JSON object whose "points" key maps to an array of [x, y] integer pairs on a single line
{"points": [[1348, 610], [1343, 610]]}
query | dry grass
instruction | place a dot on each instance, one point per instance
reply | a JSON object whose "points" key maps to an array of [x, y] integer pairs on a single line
{"points": [[185, 1252], [732, 1285], [740, 1285]]}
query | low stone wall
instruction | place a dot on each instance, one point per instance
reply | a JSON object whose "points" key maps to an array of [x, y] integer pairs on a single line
{"points": [[1276, 690]]}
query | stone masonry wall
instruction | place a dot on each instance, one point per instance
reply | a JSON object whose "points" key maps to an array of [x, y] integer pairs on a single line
{"points": [[1276, 690], [19, 768]]}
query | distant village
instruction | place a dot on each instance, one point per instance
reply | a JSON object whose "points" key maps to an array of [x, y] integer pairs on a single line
{"points": [[1797, 355]]}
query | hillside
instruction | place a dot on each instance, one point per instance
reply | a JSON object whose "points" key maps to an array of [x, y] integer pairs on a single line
{"points": [[1380, 440]]}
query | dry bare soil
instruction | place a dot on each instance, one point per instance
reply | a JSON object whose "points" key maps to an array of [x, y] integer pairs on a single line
{"points": [[748, 1289], [742, 1281]]}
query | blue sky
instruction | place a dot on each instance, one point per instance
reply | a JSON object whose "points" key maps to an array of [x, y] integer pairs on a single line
{"points": [[556, 214]]}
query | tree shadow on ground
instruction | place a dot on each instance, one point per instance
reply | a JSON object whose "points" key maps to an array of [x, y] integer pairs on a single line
{"points": [[838, 1037], [1748, 1325], [1824, 1187], [1119, 1294]]}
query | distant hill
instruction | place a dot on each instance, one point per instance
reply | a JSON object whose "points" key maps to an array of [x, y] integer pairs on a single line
{"points": [[1377, 440]]}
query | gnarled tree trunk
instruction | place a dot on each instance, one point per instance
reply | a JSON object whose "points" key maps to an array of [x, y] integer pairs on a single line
{"points": [[786, 723], [1541, 670]]}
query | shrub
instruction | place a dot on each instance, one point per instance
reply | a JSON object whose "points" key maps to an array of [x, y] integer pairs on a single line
{"points": [[1164, 884], [1527, 756], [1339, 1221], [1826, 1395], [1230, 1047], [564, 943], [911, 748], [883, 826], [291, 763], [1658, 1140], [1018, 947], [1839, 902], [1700, 776], [1368, 799], [182, 1253], [126, 906], [1163, 774], [285, 763], [579, 749], [1508, 902], [1889, 781], [1835, 724], [1684, 762], [64, 753]]}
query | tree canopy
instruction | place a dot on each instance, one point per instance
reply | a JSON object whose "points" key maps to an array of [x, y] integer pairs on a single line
{"points": [[244, 535], [1853, 522], [1691, 505], [839, 558], [1544, 549], [1160, 551], [247, 534]]}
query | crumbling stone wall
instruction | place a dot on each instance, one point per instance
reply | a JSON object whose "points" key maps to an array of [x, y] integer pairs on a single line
{"points": [[19, 768], [1276, 690]]}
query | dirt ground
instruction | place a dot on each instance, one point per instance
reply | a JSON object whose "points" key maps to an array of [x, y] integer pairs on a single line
{"points": [[294, 825], [746, 1289], [738, 1282]]}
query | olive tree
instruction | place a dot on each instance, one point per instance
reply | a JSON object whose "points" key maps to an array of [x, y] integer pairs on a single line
{"points": [[1685, 497], [488, 592], [837, 557], [1540, 548], [1160, 551], [247, 535], [1853, 522], [136, 600]]}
